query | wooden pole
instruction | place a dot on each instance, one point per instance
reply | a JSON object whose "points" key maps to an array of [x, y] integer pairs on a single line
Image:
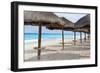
{"points": [[80, 37], [62, 38], [39, 41], [74, 38], [84, 36], [88, 36]]}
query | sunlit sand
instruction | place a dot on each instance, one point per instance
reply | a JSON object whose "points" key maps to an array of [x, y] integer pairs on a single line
{"points": [[53, 50]]}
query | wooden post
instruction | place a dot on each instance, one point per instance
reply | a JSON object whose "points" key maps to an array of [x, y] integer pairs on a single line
{"points": [[39, 41], [84, 36], [88, 36], [80, 37], [62, 38], [74, 38]]}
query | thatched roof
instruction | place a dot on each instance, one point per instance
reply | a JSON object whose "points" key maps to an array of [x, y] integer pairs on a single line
{"points": [[68, 25], [52, 21], [82, 30], [44, 18], [84, 22]]}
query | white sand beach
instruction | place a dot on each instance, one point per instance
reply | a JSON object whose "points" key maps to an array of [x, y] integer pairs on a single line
{"points": [[52, 50]]}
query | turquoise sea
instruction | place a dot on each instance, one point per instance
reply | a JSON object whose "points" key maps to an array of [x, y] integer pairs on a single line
{"points": [[30, 36], [33, 37]]}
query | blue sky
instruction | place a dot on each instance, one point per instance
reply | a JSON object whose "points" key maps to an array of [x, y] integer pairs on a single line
{"points": [[70, 16], [73, 17]]}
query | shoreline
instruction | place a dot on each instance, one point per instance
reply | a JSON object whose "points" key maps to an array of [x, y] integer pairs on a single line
{"points": [[46, 42]]}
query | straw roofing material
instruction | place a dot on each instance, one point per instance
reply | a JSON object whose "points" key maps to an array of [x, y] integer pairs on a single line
{"points": [[44, 18], [68, 25], [84, 22], [81, 30]]}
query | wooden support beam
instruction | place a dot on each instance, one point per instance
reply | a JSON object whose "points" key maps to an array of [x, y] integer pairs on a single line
{"points": [[74, 38], [84, 36], [62, 38], [88, 36], [80, 37], [39, 41]]}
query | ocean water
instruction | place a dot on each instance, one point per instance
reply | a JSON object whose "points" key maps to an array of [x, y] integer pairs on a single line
{"points": [[47, 38], [30, 36]]}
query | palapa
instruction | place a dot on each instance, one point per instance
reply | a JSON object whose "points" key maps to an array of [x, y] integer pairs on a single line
{"points": [[41, 19], [83, 25]]}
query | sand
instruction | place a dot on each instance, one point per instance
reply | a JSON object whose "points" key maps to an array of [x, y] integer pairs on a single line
{"points": [[52, 50]]}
